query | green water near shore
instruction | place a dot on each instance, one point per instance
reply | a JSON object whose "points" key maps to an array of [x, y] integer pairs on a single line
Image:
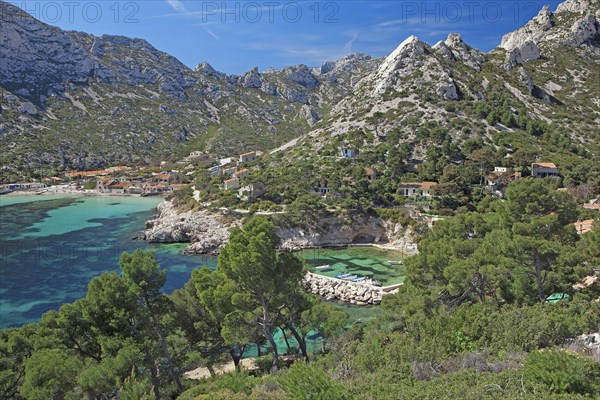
{"points": [[371, 262]]}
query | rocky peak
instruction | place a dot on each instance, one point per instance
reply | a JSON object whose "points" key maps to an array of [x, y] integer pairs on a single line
{"points": [[406, 53], [251, 79], [207, 70], [534, 30], [455, 41], [301, 75]]}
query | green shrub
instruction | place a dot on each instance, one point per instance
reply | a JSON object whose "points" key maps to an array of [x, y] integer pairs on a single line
{"points": [[562, 372]]}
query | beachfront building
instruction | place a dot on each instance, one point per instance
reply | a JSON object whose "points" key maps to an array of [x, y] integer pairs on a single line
{"points": [[544, 170]]}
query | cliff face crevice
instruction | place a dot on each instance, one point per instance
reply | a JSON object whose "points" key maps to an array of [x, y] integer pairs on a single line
{"points": [[207, 231]]}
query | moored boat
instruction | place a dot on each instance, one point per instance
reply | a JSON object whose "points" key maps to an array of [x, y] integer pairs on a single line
{"points": [[343, 276], [326, 267]]}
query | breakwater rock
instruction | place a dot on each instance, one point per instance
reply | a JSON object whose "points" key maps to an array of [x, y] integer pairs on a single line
{"points": [[349, 292]]}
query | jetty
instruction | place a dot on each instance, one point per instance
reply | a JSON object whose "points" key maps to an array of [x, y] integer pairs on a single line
{"points": [[358, 293]]}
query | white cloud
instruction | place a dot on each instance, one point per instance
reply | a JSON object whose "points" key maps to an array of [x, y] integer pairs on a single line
{"points": [[177, 5], [211, 33], [348, 45]]}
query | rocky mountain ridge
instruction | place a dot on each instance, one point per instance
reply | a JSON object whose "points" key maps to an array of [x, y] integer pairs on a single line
{"points": [[70, 100], [546, 72]]}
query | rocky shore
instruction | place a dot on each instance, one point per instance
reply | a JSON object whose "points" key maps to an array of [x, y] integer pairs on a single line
{"points": [[361, 294], [207, 231]]}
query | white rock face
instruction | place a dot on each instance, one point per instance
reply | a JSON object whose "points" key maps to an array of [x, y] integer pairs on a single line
{"points": [[574, 6], [406, 52], [206, 231], [528, 51], [455, 49], [368, 230], [534, 30], [582, 30]]}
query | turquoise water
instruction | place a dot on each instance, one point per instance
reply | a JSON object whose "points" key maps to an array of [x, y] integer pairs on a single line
{"points": [[52, 246]]}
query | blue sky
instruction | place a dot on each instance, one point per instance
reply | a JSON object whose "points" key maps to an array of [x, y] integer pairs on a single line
{"points": [[236, 36]]}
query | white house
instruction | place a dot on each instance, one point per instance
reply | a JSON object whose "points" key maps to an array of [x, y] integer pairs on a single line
{"points": [[500, 170], [414, 189], [410, 189], [544, 170], [348, 152]]}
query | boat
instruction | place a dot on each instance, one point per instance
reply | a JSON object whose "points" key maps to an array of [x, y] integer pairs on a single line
{"points": [[343, 276], [359, 279], [349, 278], [394, 262], [326, 267]]}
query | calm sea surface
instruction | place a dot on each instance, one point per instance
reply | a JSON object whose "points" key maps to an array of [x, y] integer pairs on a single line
{"points": [[52, 246]]}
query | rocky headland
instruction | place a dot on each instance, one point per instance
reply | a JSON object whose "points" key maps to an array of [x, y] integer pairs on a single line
{"points": [[208, 230]]}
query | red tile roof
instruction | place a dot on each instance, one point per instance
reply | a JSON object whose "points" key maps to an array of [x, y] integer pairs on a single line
{"points": [[248, 153], [428, 185], [545, 165]]}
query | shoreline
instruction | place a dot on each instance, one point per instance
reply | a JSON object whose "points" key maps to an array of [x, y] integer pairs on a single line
{"points": [[84, 192]]}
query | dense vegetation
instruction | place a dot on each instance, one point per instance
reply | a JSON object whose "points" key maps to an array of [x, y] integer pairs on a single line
{"points": [[471, 320]]}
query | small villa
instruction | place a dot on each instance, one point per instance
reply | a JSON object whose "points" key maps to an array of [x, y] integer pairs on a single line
{"points": [[247, 157], [414, 189], [426, 188], [544, 170], [215, 170], [241, 174], [231, 184], [229, 171]]}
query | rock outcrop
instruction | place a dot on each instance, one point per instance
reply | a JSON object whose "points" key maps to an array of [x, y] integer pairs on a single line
{"points": [[534, 30], [528, 51], [205, 231], [361, 294], [365, 230]]}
